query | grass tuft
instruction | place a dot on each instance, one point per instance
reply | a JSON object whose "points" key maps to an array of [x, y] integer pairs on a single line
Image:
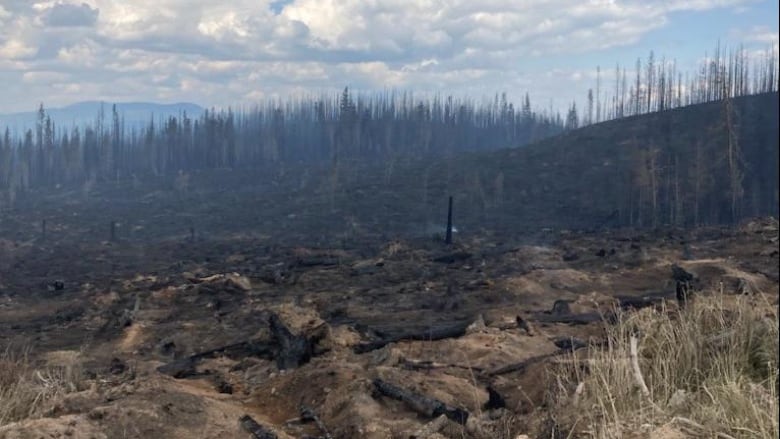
{"points": [[711, 370], [27, 391]]}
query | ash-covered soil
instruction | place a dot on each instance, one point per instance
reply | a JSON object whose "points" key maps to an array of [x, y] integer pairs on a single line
{"points": [[474, 327]]}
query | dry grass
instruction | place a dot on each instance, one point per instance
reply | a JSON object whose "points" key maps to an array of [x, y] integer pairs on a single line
{"points": [[711, 370], [27, 391]]}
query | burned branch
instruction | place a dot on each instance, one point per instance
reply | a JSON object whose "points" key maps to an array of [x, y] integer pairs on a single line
{"points": [[440, 333], [257, 430], [424, 405]]}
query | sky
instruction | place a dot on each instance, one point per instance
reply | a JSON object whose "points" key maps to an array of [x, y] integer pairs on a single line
{"points": [[240, 52]]}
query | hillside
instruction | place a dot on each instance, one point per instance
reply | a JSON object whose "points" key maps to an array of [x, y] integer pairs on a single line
{"points": [[669, 168], [605, 175], [178, 306]]}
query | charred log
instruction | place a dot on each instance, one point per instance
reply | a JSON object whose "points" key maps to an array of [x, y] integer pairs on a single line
{"points": [[424, 405], [186, 367], [569, 343], [629, 303], [451, 258], [572, 319], [255, 429], [431, 365], [452, 331], [523, 365], [309, 415], [316, 261]]}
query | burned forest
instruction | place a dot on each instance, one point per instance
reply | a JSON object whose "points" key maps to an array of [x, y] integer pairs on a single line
{"points": [[400, 265]]}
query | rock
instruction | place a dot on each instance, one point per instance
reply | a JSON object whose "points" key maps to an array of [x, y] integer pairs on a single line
{"points": [[495, 400], [229, 281], [451, 258], [367, 267], [477, 326], [117, 366], [387, 356], [524, 325], [240, 282], [569, 343], [343, 336], [224, 387], [561, 307], [167, 347], [570, 256]]}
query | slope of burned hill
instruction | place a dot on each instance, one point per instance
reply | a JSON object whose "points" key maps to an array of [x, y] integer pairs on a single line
{"points": [[714, 163], [703, 164]]}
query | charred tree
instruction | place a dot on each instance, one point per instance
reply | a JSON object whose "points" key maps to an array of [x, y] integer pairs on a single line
{"points": [[448, 237]]}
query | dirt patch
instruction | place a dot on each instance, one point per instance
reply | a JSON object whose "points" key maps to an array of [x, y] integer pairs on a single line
{"points": [[129, 307]]}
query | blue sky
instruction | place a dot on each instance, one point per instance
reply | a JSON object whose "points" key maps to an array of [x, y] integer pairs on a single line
{"points": [[242, 51], [688, 35]]}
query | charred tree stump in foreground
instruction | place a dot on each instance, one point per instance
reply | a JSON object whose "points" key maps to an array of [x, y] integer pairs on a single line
{"points": [[289, 351], [294, 350], [683, 281]]}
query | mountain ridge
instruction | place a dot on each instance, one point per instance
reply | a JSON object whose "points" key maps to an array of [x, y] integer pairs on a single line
{"points": [[135, 113]]}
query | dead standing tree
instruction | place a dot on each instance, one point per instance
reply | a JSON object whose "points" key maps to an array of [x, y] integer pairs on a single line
{"points": [[733, 156], [448, 238]]}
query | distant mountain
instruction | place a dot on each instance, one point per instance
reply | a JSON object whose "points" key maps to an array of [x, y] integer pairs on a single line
{"points": [[136, 114]]}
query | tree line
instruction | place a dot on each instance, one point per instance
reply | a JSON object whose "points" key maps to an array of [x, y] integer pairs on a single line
{"points": [[324, 129], [338, 128], [657, 85]]}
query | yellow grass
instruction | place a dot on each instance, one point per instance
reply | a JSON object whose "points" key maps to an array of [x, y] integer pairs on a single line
{"points": [[27, 391], [711, 370]]}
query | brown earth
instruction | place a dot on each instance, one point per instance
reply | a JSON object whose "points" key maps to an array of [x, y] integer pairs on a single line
{"points": [[129, 306]]}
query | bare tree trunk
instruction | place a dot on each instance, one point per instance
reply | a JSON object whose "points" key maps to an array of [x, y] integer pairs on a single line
{"points": [[653, 171], [733, 155]]}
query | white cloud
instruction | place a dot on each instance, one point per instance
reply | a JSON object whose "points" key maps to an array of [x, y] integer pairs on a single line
{"points": [[4, 14], [217, 52], [43, 77], [17, 49], [227, 25], [80, 54], [756, 34]]}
